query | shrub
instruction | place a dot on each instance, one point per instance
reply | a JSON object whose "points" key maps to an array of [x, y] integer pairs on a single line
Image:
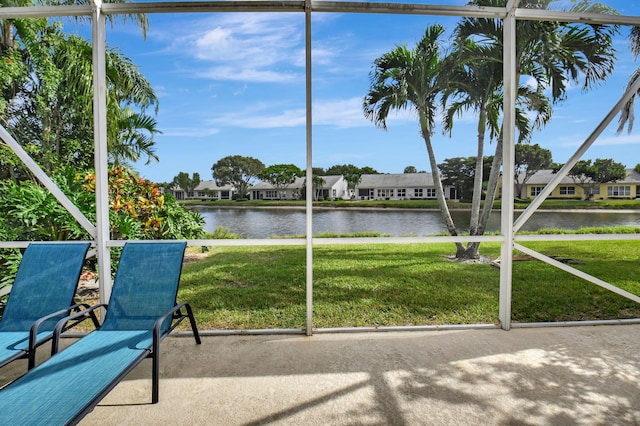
{"points": [[137, 210]]}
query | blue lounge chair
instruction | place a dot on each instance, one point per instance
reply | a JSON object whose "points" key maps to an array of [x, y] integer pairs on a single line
{"points": [[142, 311], [42, 294]]}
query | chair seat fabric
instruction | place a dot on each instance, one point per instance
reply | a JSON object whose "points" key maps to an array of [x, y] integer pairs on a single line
{"points": [[14, 343], [72, 378]]}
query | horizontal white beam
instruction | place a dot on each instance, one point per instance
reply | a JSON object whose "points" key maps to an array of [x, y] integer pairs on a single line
{"points": [[578, 237], [587, 18], [44, 11], [408, 9], [316, 6], [327, 241]]}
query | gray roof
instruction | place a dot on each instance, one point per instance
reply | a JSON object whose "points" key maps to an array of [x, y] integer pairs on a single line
{"points": [[400, 180], [632, 177], [211, 184], [542, 177]]}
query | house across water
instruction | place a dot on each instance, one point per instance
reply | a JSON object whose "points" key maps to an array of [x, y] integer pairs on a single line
{"points": [[413, 186]]}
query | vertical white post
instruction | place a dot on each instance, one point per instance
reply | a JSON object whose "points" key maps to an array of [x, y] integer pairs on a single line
{"points": [[508, 160], [309, 189], [100, 147]]}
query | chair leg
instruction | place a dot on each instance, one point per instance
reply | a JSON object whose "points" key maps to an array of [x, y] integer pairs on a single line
{"points": [[155, 377], [32, 359], [194, 327]]}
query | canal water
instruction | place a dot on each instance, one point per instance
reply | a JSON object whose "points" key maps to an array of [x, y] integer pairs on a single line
{"points": [[271, 222]]}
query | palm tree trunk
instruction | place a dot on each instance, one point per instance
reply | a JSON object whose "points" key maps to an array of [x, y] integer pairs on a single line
{"points": [[437, 182], [492, 186], [478, 178]]}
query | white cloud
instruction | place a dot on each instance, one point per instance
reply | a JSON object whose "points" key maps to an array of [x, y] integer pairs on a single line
{"points": [[603, 141], [340, 113], [189, 132], [256, 47], [619, 140]]}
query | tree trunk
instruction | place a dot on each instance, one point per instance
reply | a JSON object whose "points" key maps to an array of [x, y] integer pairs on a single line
{"points": [[492, 186], [442, 202], [477, 179]]}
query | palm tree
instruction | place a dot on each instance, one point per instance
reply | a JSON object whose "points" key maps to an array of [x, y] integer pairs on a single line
{"points": [[474, 75], [553, 54], [411, 78], [133, 137], [627, 115]]}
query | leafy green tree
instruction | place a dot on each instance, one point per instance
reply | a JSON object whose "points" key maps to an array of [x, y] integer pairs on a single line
{"points": [[589, 175], [183, 181], [460, 172], [238, 171], [637, 168], [280, 176], [528, 160], [366, 170], [410, 169], [351, 173]]}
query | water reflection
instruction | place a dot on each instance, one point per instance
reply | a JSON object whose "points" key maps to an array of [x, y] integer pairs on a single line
{"points": [[265, 223]]}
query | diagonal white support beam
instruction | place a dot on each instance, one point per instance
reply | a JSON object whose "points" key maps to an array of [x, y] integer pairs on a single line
{"points": [[577, 273], [46, 181], [564, 171]]}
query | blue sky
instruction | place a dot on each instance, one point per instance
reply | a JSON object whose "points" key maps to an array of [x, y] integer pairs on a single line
{"points": [[235, 84]]}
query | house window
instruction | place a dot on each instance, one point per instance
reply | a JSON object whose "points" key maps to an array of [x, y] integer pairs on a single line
{"points": [[536, 190], [224, 195], [417, 192], [567, 190], [402, 193], [619, 191], [335, 193], [271, 194], [385, 193], [594, 190], [431, 193]]}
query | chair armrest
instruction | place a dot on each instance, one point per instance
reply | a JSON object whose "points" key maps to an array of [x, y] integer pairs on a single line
{"points": [[158, 336], [60, 325], [163, 318], [33, 331]]}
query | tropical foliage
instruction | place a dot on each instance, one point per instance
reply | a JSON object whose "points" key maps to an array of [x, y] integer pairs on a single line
{"points": [[137, 208], [47, 95]]}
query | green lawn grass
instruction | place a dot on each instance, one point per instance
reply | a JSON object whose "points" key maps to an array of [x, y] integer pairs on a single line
{"points": [[399, 285]]}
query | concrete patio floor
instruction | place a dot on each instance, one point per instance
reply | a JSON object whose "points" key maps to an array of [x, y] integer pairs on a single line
{"points": [[588, 375]]}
